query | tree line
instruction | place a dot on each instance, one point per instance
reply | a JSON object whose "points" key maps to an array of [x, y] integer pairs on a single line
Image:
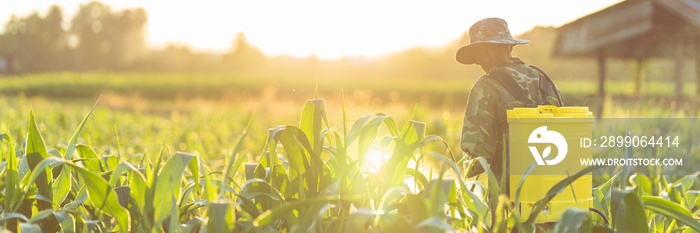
{"points": [[99, 38], [96, 38]]}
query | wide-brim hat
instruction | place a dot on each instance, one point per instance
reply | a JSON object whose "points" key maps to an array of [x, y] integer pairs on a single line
{"points": [[486, 31]]}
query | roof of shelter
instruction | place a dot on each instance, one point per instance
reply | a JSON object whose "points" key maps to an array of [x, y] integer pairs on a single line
{"points": [[634, 29]]}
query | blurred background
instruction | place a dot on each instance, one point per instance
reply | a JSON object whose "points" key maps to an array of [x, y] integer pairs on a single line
{"points": [[191, 75]]}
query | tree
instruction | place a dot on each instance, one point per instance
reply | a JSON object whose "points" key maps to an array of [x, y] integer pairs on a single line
{"points": [[242, 55], [108, 40], [35, 43]]}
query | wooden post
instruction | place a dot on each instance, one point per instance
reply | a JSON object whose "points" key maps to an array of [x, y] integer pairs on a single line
{"points": [[697, 66], [601, 83], [601, 73], [638, 73], [678, 77], [679, 63]]}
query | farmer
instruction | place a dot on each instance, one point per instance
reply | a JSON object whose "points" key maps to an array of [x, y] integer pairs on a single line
{"points": [[508, 83]]}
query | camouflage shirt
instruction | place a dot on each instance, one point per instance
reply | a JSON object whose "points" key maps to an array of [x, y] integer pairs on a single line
{"points": [[485, 123]]}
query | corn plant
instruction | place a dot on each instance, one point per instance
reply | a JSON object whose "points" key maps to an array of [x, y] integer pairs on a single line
{"points": [[307, 178]]}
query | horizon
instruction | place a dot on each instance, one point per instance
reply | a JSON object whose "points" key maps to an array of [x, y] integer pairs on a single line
{"points": [[335, 35]]}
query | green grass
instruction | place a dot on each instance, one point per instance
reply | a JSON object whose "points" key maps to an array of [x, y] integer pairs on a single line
{"points": [[164, 86], [117, 171]]}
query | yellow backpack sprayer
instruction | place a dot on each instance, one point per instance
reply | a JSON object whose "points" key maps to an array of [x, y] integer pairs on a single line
{"points": [[548, 136]]}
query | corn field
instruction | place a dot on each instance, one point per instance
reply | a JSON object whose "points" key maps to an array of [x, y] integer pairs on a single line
{"points": [[372, 176]]}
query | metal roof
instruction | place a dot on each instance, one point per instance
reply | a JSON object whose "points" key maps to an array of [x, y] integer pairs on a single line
{"points": [[633, 29]]}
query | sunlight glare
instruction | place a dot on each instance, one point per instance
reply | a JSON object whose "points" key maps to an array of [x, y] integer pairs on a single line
{"points": [[329, 30], [374, 160]]}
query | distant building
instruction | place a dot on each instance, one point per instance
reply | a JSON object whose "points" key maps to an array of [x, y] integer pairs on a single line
{"points": [[636, 29]]}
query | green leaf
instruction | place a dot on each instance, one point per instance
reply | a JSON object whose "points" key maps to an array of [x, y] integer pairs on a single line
{"points": [[313, 116], [11, 175], [172, 220], [41, 215], [368, 135], [305, 165], [389, 198], [394, 170], [471, 201], [600, 202], [123, 195], [35, 143], [642, 182], [110, 162], [91, 161], [627, 212], [493, 189], [416, 207], [101, 195], [571, 220], [61, 186], [390, 222], [167, 187], [6, 216], [358, 221], [694, 199], [356, 128], [71, 144], [192, 225], [688, 180], [248, 207], [267, 217], [54, 153], [230, 168], [193, 165], [417, 176], [30, 228], [209, 189], [249, 192], [119, 170], [140, 191], [280, 181], [221, 218], [79, 199], [671, 210], [435, 224], [66, 221], [35, 153], [435, 194]]}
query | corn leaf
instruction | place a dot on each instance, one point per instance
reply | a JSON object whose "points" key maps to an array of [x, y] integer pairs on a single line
{"points": [[313, 116], [167, 185], [11, 175], [627, 212], [571, 220], [394, 170], [101, 195], [36, 152], [671, 210], [221, 217], [61, 186], [71, 144]]}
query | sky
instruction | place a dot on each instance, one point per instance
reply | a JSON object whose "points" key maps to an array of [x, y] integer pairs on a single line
{"points": [[328, 29]]}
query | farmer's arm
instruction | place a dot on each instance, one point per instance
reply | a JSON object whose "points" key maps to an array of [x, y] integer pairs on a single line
{"points": [[478, 130]]}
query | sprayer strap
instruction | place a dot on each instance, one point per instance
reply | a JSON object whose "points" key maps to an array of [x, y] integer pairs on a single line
{"points": [[548, 82], [512, 87]]}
